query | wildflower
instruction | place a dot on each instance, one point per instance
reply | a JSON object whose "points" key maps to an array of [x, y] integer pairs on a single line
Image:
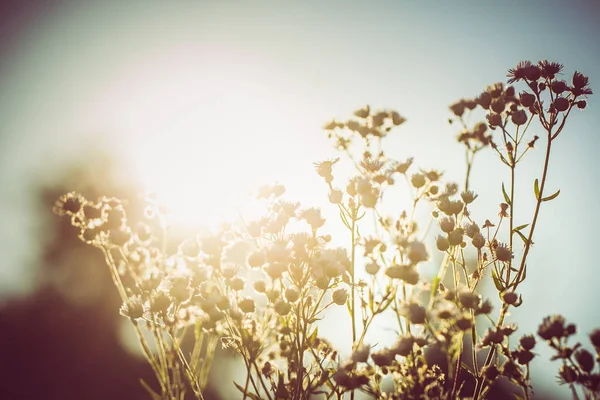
{"points": [[552, 327], [468, 196], [527, 342], [275, 269], [458, 108], [246, 305], [339, 296], [442, 243], [372, 268], [363, 112], [579, 80], [69, 203], [417, 252], [490, 372], [492, 336], [406, 273], [397, 119], [455, 237], [361, 354], [160, 302], [510, 297], [522, 71], [256, 259], [519, 117], [484, 100], [585, 360], [471, 230], [595, 339], [503, 253], [282, 308], [488, 224], [568, 374], [236, 284], [416, 313], [292, 294], [313, 217], [447, 224], [133, 308], [464, 322], [549, 69], [383, 358], [469, 299], [336, 196]]}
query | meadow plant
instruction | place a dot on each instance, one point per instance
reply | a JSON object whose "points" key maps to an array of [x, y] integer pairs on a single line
{"points": [[259, 288]]}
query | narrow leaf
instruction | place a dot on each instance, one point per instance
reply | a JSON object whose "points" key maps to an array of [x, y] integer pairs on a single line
{"points": [[536, 189], [497, 281], [313, 336], [506, 198], [522, 237], [249, 394], [518, 228], [551, 197]]}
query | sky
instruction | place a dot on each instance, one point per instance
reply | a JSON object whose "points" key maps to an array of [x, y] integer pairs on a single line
{"points": [[204, 98]]}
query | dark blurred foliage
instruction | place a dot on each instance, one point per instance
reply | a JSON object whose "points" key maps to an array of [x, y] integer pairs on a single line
{"points": [[64, 340]]}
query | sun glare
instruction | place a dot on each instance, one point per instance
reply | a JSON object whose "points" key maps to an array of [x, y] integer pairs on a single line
{"points": [[205, 140]]}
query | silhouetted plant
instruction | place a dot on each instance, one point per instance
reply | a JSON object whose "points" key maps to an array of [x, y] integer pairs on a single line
{"points": [[260, 288]]}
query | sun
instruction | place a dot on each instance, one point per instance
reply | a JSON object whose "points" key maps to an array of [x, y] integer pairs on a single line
{"points": [[206, 137]]}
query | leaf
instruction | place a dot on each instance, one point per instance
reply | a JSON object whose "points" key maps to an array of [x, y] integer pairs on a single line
{"points": [[313, 336], [552, 196], [506, 198], [536, 189], [522, 237], [497, 281], [518, 228], [249, 394]]}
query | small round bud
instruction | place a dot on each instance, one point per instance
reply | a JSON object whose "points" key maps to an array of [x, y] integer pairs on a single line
{"points": [[339, 296], [510, 297], [418, 180], [568, 374]]}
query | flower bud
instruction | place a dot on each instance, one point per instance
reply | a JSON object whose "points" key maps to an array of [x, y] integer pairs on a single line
{"points": [[568, 374], [510, 297], [418, 180], [339, 296], [526, 99]]}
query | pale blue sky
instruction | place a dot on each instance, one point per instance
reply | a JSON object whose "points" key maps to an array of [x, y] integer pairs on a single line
{"points": [[145, 74]]}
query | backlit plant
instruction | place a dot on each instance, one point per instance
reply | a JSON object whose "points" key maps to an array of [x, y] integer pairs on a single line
{"points": [[260, 287]]}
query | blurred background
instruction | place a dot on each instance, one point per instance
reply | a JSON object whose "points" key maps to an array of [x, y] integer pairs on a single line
{"points": [[200, 101]]}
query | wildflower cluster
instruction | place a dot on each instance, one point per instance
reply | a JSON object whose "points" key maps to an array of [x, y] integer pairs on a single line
{"points": [[260, 288]]}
